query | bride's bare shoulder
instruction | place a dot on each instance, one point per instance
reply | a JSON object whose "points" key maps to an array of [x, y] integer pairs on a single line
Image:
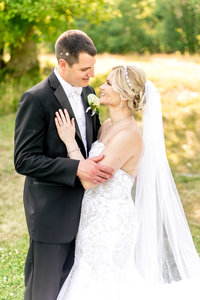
{"points": [[131, 136], [127, 139], [103, 126], [106, 122]]}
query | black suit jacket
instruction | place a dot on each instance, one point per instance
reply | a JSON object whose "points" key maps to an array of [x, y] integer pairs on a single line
{"points": [[52, 191]]}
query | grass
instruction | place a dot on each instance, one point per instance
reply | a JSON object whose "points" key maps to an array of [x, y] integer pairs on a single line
{"points": [[13, 236], [12, 258], [12, 220], [177, 79]]}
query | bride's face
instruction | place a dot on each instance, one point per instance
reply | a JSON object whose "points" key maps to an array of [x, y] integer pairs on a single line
{"points": [[109, 96]]}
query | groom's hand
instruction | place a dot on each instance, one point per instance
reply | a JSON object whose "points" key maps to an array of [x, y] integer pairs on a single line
{"points": [[91, 171]]}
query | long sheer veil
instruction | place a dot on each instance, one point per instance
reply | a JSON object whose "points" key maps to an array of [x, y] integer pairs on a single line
{"points": [[165, 251]]}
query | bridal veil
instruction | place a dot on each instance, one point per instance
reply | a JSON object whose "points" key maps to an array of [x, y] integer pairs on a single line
{"points": [[165, 251]]}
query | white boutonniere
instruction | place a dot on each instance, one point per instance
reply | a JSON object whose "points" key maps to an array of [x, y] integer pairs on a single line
{"points": [[94, 104]]}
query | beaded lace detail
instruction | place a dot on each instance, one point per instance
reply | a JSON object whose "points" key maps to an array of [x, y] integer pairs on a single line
{"points": [[106, 236]]}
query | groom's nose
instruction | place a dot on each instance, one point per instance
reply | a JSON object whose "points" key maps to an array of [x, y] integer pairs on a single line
{"points": [[91, 72]]}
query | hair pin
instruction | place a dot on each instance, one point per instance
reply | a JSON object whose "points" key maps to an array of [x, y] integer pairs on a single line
{"points": [[126, 77]]}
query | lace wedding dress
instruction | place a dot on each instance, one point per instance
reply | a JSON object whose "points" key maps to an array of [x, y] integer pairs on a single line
{"points": [[104, 267]]}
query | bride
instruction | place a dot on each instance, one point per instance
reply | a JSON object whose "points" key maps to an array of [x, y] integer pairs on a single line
{"points": [[129, 249]]}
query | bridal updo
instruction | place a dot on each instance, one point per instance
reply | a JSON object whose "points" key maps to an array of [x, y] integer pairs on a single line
{"points": [[129, 82]]}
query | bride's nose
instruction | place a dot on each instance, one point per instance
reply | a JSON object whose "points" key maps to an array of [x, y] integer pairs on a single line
{"points": [[101, 87]]}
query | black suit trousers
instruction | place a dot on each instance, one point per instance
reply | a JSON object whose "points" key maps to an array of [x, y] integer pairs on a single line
{"points": [[47, 266]]}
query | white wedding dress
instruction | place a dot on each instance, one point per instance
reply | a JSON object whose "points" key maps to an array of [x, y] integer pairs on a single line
{"points": [[104, 267]]}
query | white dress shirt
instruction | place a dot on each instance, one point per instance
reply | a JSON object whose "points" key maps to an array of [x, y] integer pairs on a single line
{"points": [[74, 96]]}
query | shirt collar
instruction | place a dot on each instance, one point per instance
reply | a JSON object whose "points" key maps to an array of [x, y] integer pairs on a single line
{"points": [[68, 88]]}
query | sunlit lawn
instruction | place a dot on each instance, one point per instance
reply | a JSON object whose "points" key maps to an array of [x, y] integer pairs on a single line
{"points": [[178, 81]]}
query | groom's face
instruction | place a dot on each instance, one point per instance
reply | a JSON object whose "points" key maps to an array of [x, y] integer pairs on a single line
{"points": [[79, 73]]}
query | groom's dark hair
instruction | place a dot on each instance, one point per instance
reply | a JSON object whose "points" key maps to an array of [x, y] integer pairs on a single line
{"points": [[71, 43]]}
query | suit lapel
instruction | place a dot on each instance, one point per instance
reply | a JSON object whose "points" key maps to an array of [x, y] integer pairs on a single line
{"points": [[89, 123], [63, 100]]}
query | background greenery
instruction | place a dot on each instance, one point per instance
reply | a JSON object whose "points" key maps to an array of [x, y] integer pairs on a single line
{"points": [[161, 36], [180, 91], [116, 26]]}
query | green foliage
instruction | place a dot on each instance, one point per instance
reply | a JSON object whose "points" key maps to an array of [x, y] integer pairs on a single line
{"points": [[98, 81], [13, 235], [178, 28], [195, 230], [187, 178], [12, 90], [45, 17], [149, 26], [121, 26], [130, 29], [27, 22]]}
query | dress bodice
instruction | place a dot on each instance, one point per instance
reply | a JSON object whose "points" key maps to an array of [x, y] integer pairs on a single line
{"points": [[122, 182], [108, 210], [106, 237]]}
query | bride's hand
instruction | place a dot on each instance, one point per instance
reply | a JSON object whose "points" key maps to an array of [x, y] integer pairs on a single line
{"points": [[65, 127]]}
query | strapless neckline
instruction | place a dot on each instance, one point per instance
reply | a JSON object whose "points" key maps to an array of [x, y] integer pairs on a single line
{"points": [[120, 170]]}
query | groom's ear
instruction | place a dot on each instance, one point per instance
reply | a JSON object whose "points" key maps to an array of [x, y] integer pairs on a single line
{"points": [[63, 64]]}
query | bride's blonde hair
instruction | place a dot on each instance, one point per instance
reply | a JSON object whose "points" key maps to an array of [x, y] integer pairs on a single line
{"points": [[129, 82]]}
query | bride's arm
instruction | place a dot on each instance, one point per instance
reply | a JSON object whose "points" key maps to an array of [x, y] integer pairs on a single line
{"points": [[88, 169], [126, 144], [66, 131]]}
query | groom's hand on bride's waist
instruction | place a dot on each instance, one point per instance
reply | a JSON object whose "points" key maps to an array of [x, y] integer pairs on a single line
{"points": [[91, 171]]}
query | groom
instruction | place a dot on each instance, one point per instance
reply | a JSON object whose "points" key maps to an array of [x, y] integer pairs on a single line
{"points": [[52, 190]]}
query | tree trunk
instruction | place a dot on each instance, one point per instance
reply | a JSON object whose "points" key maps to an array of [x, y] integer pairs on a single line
{"points": [[2, 62], [24, 58]]}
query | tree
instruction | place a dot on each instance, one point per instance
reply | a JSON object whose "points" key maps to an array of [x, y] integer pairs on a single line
{"points": [[150, 26], [179, 26], [24, 23], [130, 28]]}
